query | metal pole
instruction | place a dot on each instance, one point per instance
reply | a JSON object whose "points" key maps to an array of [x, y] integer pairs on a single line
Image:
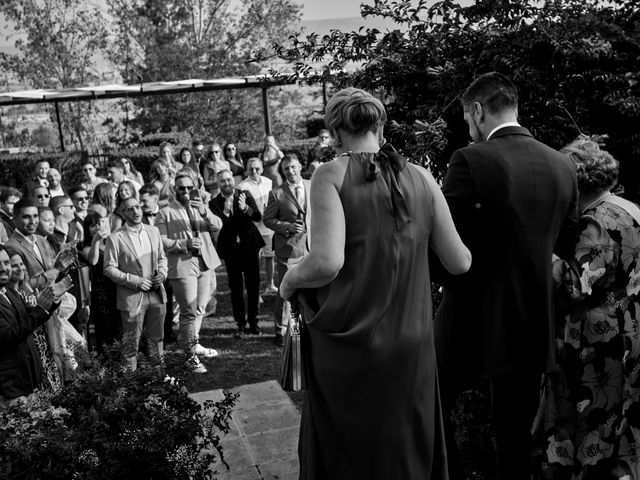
{"points": [[59, 126], [324, 95], [265, 108]]}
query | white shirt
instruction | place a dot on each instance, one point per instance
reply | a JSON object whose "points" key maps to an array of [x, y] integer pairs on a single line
{"points": [[260, 193], [502, 125], [56, 192], [141, 244]]}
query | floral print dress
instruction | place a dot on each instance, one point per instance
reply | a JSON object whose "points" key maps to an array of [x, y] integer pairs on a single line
{"points": [[590, 412]]}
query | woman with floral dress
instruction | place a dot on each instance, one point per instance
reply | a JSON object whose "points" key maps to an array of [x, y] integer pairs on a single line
{"points": [[589, 418]]}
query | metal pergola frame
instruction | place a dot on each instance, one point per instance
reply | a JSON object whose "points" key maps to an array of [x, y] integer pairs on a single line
{"points": [[104, 92]]}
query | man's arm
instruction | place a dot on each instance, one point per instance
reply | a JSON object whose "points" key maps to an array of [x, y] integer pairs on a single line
{"points": [[569, 230], [458, 188], [252, 207], [15, 330], [171, 245], [270, 217], [112, 270]]}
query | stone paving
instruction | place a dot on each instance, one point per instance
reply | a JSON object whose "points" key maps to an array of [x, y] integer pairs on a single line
{"points": [[263, 441]]}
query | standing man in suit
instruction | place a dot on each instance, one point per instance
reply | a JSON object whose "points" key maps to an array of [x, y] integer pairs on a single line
{"points": [[186, 225], [239, 243], [36, 250], [8, 198], [288, 215], [514, 202], [135, 261], [20, 363]]}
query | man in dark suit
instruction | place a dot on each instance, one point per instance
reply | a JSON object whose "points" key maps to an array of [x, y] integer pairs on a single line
{"points": [[287, 214], [20, 363], [8, 198], [239, 243], [514, 202]]}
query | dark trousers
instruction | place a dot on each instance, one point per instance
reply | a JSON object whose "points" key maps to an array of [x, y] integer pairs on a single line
{"points": [[169, 336], [514, 403], [244, 268]]}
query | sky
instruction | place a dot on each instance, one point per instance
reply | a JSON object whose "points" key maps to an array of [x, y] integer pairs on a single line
{"points": [[321, 9]]}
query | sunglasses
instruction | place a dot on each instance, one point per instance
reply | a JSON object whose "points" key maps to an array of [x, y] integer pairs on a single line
{"points": [[215, 151], [88, 169], [184, 188], [43, 195], [70, 206], [251, 169]]}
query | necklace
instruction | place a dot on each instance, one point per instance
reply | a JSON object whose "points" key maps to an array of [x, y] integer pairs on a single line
{"points": [[596, 201]]}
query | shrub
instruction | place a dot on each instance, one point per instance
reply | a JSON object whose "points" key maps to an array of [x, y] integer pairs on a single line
{"points": [[109, 423]]}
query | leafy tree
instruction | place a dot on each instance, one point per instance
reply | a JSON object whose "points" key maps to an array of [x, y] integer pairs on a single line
{"points": [[178, 39], [58, 49], [575, 62]]}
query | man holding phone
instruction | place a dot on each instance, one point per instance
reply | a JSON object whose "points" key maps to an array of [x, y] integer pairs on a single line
{"points": [[186, 226], [135, 261]]}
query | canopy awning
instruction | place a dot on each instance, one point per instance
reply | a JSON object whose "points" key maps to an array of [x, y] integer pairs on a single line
{"points": [[101, 92]]}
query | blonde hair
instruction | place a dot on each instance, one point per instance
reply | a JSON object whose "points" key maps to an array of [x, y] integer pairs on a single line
{"points": [[354, 111], [596, 169]]}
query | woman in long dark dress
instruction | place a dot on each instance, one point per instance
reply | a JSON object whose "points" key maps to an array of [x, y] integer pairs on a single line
{"points": [[104, 315], [372, 410]]}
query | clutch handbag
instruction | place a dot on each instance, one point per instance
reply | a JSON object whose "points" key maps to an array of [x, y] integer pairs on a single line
{"points": [[293, 376]]}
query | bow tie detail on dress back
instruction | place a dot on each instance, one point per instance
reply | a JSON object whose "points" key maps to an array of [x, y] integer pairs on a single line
{"points": [[387, 165]]}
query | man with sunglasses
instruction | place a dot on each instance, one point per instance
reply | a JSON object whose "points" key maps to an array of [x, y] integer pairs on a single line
{"points": [[41, 195], [8, 198], [186, 226]]}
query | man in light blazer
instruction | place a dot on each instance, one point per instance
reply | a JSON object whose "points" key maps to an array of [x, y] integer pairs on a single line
{"points": [[288, 215], [135, 261], [514, 202], [186, 226], [36, 251]]}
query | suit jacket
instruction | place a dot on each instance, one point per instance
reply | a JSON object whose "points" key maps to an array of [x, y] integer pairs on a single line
{"points": [[281, 212], [514, 202], [20, 364], [35, 267], [7, 221], [176, 232], [122, 265], [238, 235]]}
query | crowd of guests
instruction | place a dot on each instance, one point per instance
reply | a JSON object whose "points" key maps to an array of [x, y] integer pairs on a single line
{"points": [[139, 253]]}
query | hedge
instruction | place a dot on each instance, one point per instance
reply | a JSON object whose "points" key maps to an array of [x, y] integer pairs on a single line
{"points": [[18, 169]]}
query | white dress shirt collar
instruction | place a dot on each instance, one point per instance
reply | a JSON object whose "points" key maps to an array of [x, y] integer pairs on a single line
{"points": [[502, 125]]}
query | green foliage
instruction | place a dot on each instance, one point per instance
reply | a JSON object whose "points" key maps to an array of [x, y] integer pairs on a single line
{"points": [[575, 62], [110, 423], [180, 39], [62, 39]]}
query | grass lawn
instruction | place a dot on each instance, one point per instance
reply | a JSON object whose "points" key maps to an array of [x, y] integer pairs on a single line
{"points": [[251, 359]]}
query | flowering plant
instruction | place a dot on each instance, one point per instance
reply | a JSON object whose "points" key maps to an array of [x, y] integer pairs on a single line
{"points": [[109, 422]]}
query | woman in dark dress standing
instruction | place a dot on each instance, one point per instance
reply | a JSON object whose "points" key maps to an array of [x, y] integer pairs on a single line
{"points": [[104, 315], [372, 410]]}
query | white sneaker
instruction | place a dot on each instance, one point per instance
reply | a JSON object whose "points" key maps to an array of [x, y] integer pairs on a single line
{"points": [[270, 289], [195, 365], [204, 351]]}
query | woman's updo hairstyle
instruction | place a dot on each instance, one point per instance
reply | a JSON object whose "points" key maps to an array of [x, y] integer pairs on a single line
{"points": [[596, 169], [354, 111]]}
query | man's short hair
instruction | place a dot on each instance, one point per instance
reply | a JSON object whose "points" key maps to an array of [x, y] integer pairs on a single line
{"points": [[42, 160], [56, 202], [75, 189], [25, 202], [225, 170], [494, 91], [6, 192], [290, 157], [188, 173], [117, 164], [149, 188]]}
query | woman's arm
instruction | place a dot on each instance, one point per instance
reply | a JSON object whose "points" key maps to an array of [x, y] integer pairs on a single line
{"points": [[445, 240], [326, 257]]}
